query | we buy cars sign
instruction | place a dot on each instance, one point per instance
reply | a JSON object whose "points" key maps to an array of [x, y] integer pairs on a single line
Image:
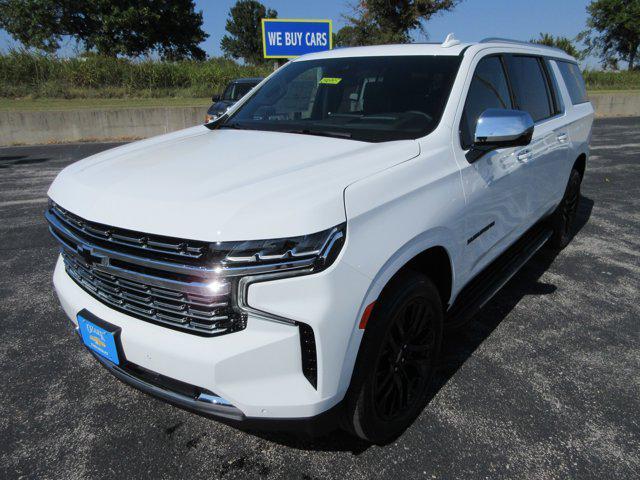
{"points": [[282, 38]]}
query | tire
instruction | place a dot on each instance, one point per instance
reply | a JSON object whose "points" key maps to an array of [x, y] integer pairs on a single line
{"points": [[396, 361], [563, 218]]}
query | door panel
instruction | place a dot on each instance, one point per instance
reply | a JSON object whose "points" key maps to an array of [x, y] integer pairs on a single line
{"points": [[547, 167], [497, 203], [535, 91]]}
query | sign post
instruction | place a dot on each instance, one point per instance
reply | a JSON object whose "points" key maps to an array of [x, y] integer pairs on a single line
{"points": [[288, 38]]}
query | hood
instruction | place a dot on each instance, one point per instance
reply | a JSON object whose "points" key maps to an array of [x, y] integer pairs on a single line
{"points": [[223, 184]]}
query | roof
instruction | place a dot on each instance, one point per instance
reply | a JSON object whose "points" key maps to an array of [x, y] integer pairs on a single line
{"points": [[536, 48], [451, 47], [387, 50]]}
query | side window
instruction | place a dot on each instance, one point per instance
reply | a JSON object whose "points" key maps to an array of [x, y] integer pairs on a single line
{"points": [[228, 92], [241, 90], [558, 106], [488, 89], [529, 86], [574, 82]]}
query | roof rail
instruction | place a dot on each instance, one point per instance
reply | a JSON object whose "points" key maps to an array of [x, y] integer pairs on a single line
{"points": [[520, 42]]}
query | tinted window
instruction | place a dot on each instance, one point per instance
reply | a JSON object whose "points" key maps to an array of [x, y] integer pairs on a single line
{"points": [[488, 89], [558, 106], [242, 89], [529, 86], [372, 99], [235, 91], [574, 82], [228, 92]]}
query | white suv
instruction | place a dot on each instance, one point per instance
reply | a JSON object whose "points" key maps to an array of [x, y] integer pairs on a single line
{"points": [[295, 262]]}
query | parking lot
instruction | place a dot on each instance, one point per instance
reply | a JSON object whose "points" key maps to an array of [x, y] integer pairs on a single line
{"points": [[545, 383]]}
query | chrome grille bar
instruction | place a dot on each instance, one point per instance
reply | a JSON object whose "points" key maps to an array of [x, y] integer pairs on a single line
{"points": [[126, 238], [66, 236], [192, 312]]}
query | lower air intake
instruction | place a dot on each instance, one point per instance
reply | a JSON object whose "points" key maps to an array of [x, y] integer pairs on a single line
{"points": [[309, 356]]}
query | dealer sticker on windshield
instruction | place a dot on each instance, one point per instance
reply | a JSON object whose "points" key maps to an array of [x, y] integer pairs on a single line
{"points": [[330, 81]]}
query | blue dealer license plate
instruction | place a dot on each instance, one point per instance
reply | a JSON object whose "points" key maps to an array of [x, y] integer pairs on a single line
{"points": [[99, 338]]}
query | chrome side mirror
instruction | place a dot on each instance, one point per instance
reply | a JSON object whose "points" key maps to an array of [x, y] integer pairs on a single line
{"points": [[500, 128]]}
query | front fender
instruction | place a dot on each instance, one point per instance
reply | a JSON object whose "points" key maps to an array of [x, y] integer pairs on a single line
{"points": [[397, 214]]}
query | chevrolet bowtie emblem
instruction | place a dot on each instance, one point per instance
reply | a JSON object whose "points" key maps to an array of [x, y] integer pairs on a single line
{"points": [[91, 257]]}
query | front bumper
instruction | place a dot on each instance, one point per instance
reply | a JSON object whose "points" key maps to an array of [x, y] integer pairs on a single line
{"points": [[257, 370], [320, 424]]}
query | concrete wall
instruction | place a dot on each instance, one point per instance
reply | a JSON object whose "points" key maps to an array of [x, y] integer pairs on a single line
{"points": [[31, 128], [622, 104], [84, 125]]}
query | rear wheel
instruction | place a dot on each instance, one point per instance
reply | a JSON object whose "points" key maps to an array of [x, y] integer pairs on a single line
{"points": [[563, 219], [397, 359]]}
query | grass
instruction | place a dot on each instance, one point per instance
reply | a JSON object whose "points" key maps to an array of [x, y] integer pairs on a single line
{"points": [[24, 74], [614, 90], [44, 104], [615, 81], [50, 104], [40, 104]]}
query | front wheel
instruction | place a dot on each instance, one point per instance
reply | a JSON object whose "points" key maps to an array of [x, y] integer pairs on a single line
{"points": [[563, 218], [397, 359]]}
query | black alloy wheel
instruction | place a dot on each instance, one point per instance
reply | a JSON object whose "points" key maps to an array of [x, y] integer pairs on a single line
{"points": [[564, 218], [396, 361], [406, 362]]}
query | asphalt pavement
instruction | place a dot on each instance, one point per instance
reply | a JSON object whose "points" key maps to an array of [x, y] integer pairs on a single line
{"points": [[545, 382]]}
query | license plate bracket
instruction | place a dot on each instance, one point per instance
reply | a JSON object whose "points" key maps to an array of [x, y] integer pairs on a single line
{"points": [[100, 337]]}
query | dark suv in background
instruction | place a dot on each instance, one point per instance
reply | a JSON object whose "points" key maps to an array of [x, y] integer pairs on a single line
{"points": [[234, 92]]}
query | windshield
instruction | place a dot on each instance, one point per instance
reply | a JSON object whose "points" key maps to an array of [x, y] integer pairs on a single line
{"points": [[373, 99], [235, 91]]}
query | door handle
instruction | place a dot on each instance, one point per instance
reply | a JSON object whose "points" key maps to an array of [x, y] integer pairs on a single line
{"points": [[524, 155], [562, 137]]}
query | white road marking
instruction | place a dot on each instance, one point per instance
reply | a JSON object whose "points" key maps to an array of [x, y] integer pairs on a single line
{"points": [[23, 202], [614, 147]]}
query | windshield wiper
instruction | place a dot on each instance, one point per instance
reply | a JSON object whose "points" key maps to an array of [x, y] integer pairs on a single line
{"points": [[234, 125], [320, 133], [301, 131]]}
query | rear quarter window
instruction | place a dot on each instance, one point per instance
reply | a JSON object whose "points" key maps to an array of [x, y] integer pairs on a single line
{"points": [[574, 82]]}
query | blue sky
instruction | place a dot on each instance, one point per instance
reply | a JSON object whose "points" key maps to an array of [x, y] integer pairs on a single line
{"points": [[472, 20]]}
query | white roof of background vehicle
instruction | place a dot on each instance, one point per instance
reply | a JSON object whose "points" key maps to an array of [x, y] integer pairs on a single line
{"points": [[450, 47]]}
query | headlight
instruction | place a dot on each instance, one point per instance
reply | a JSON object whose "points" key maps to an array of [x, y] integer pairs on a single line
{"points": [[263, 260], [313, 252]]}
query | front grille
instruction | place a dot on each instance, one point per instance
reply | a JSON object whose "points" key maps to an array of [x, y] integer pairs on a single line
{"points": [[189, 285], [207, 313], [162, 280]]}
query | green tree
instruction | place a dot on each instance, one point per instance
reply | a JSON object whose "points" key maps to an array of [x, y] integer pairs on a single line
{"points": [[563, 43], [361, 30], [245, 31], [389, 21], [613, 30], [173, 29]]}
